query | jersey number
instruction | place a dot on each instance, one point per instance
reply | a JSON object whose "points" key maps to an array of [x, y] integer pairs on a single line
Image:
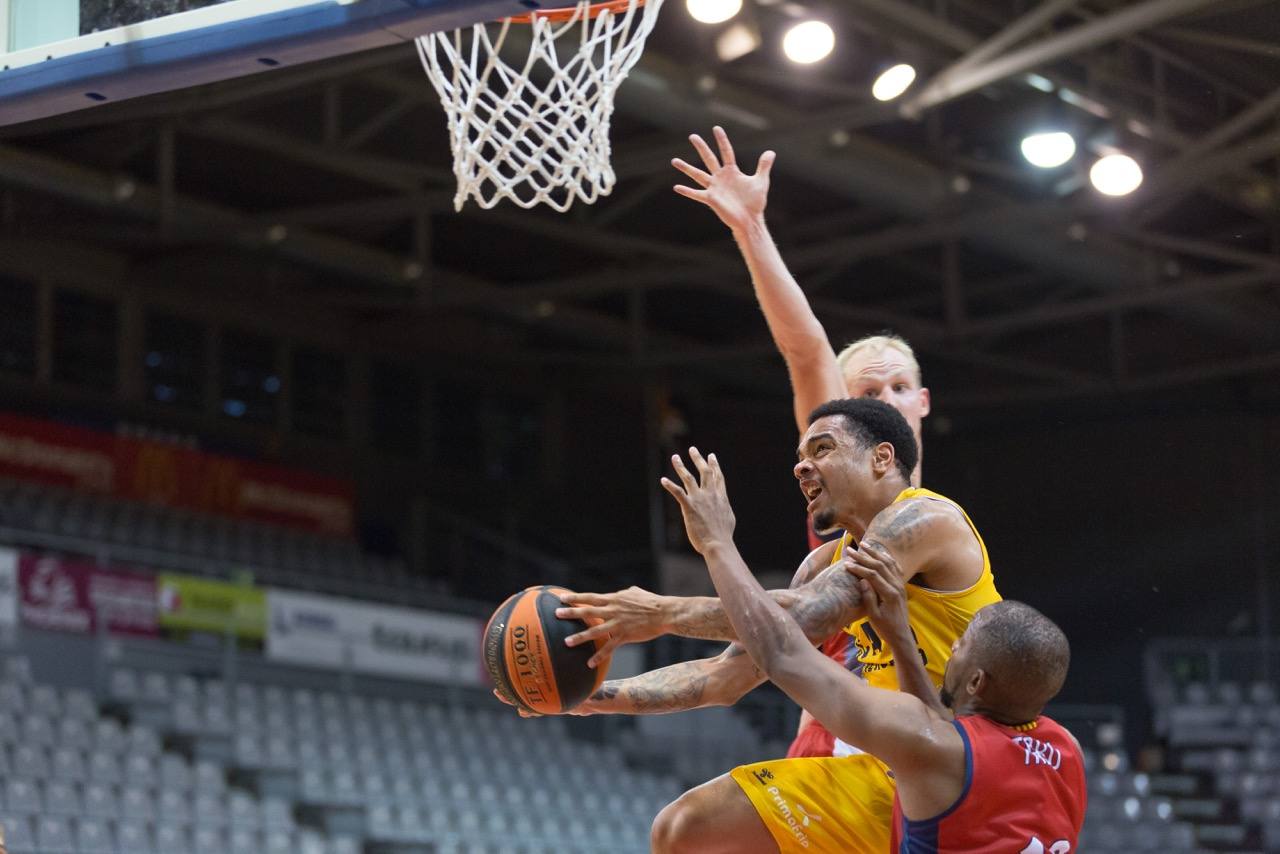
{"points": [[1035, 846]]}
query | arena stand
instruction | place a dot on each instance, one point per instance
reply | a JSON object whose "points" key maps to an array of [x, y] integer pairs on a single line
{"points": [[149, 745], [1217, 718]]}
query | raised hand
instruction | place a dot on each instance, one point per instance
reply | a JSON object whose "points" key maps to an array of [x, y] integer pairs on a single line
{"points": [[737, 198], [708, 518]]}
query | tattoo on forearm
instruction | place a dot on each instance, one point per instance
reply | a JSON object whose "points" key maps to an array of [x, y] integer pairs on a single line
{"points": [[671, 689], [827, 604]]}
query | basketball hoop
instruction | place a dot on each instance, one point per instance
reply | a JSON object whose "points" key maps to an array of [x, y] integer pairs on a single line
{"points": [[543, 141]]}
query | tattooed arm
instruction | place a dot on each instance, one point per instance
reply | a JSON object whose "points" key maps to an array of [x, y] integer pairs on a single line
{"points": [[718, 681], [919, 533]]}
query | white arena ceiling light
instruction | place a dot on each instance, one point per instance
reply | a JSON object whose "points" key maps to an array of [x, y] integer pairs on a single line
{"points": [[713, 11], [809, 42], [1116, 175], [1048, 150], [892, 82]]}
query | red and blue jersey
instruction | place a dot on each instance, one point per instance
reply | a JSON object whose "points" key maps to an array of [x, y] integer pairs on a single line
{"points": [[1024, 793]]}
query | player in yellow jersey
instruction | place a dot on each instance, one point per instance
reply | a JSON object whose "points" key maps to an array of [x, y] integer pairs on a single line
{"points": [[856, 460]]}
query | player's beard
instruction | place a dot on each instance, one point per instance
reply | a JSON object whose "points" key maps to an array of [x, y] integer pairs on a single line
{"points": [[824, 522]]}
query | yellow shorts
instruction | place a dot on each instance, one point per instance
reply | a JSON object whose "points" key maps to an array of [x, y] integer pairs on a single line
{"points": [[842, 805]]}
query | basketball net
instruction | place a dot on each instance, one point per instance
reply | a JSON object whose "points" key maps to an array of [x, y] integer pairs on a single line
{"points": [[537, 133]]}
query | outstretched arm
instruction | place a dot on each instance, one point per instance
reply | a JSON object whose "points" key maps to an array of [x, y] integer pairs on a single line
{"points": [[718, 681], [897, 727], [823, 598], [739, 200]]}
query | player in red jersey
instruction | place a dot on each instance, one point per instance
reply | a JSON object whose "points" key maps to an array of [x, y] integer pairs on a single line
{"points": [[979, 769]]}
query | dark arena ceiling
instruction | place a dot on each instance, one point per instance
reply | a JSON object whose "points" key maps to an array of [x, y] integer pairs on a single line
{"points": [[329, 185]]}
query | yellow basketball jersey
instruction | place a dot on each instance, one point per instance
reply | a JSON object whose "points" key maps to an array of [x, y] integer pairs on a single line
{"points": [[938, 617]]}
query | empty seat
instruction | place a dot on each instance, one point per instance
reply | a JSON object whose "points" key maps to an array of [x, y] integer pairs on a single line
{"points": [[136, 803], [93, 836], [13, 697], [99, 800], [175, 773], [53, 835], [124, 686], [276, 814], [22, 796], [242, 840], [74, 733], [209, 777], [209, 840], [133, 837], [242, 809], [174, 806], [67, 764], [29, 762], [172, 838], [18, 835], [104, 767], [209, 809], [61, 798], [108, 735]]}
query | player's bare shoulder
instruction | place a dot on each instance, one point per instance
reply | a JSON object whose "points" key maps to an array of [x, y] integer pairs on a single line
{"points": [[932, 540]]}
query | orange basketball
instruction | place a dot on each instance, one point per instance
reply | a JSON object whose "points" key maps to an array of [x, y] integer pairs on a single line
{"points": [[525, 653]]}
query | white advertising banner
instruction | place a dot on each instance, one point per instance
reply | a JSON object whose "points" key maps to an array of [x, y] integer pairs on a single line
{"points": [[325, 631], [8, 588]]}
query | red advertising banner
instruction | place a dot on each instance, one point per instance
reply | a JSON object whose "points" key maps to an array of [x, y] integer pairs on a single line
{"points": [[74, 596], [159, 473]]}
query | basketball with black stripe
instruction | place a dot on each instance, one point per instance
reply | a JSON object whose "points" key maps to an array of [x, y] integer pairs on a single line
{"points": [[525, 654]]}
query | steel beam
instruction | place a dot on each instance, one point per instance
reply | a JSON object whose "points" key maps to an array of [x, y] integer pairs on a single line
{"points": [[1016, 31], [1084, 37]]}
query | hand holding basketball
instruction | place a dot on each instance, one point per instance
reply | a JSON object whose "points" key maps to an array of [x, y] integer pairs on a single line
{"points": [[633, 615], [737, 198], [704, 503]]}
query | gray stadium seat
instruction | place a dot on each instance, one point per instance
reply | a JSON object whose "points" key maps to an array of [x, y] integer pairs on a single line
{"points": [[136, 803], [278, 842], [74, 732], [18, 835], [53, 835], [174, 806], [172, 838], [209, 840], [67, 764], [209, 809], [242, 809], [209, 777], [134, 837], [29, 762], [8, 729], [242, 840], [93, 836], [61, 798], [22, 797], [99, 800], [276, 814]]}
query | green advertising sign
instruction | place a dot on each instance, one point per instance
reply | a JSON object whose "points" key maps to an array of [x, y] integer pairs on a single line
{"points": [[202, 605]]}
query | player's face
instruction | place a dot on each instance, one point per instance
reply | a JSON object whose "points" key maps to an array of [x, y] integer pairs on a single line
{"points": [[956, 671], [833, 472], [886, 376]]}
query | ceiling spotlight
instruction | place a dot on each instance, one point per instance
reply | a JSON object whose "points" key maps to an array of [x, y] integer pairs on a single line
{"points": [[1048, 150], [713, 11], [1116, 175], [809, 42], [893, 82]]}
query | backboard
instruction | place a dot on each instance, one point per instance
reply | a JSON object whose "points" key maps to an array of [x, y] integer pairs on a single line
{"points": [[58, 56]]}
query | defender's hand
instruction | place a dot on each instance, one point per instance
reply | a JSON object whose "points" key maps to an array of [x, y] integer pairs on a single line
{"points": [[708, 518], [633, 615], [884, 593], [736, 197]]}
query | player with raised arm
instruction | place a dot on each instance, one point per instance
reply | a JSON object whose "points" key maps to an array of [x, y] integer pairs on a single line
{"points": [[881, 366], [996, 777], [855, 465]]}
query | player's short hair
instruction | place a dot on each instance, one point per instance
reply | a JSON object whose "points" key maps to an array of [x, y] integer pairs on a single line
{"points": [[1022, 647], [873, 422], [878, 343]]}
